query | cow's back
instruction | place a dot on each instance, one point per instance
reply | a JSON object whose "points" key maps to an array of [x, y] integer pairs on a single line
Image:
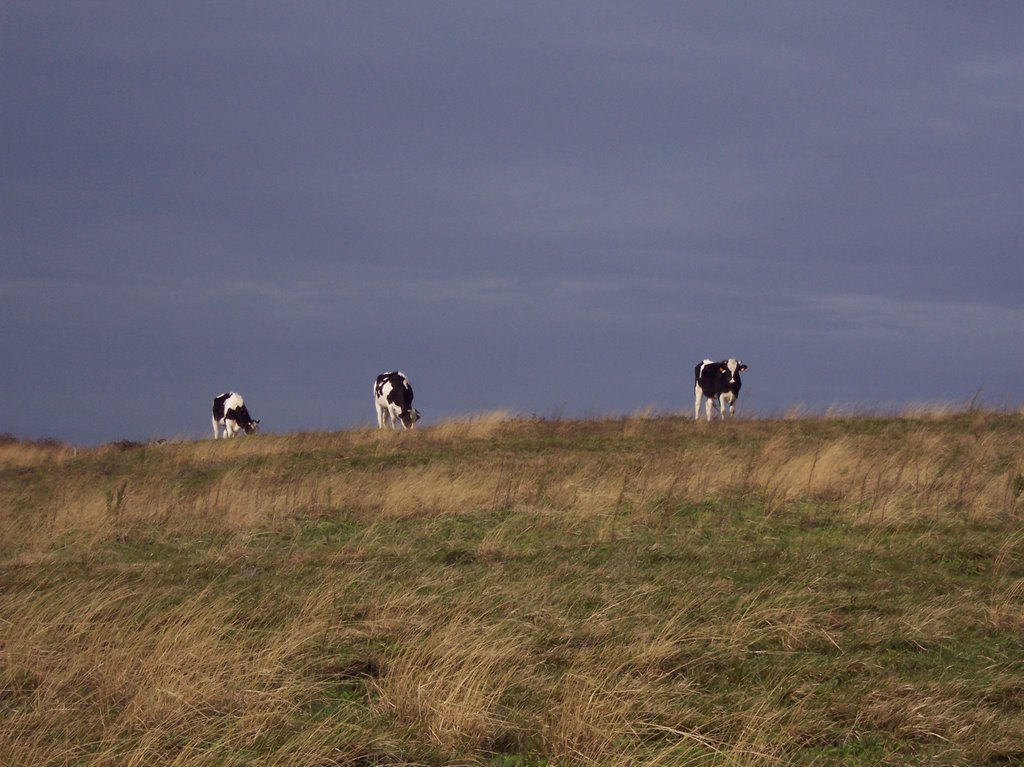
{"points": [[393, 388]]}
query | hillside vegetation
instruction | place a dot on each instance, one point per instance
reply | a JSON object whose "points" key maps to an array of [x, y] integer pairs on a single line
{"points": [[515, 593]]}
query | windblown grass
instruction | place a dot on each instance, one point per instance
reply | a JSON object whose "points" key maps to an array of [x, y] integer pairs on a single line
{"points": [[512, 592]]}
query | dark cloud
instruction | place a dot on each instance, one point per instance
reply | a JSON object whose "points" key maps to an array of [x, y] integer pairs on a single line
{"points": [[526, 206]]}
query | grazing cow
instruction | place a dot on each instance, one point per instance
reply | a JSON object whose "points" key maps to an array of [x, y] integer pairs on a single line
{"points": [[720, 383], [392, 396], [230, 412]]}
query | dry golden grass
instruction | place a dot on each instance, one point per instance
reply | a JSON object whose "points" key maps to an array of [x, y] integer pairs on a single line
{"points": [[24, 454], [904, 469], [449, 682], [509, 592], [479, 426]]}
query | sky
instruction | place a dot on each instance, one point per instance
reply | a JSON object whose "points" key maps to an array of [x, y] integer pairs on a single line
{"points": [[542, 207]]}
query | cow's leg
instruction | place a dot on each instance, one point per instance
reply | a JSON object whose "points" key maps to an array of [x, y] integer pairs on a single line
{"points": [[380, 415], [710, 404], [697, 397], [726, 405], [216, 429]]}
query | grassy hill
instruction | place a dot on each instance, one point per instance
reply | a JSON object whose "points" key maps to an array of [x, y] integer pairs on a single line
{"points": [[520, 592]]}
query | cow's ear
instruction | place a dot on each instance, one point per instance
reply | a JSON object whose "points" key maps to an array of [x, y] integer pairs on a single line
{"points": [[742, 367]]}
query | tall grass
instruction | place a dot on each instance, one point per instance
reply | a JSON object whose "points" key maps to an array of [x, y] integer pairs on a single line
{"points": [[505, 591]]}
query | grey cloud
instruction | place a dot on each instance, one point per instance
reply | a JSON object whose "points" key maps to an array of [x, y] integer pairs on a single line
{"points": [[285, 201]]}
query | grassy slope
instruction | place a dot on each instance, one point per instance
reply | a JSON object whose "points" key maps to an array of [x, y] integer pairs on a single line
{"points": [[621, 592]]}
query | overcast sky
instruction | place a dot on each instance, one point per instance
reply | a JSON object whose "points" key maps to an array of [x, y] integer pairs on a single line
{"points": [[545, 207]]}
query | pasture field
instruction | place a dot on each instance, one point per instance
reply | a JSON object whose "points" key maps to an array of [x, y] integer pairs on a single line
{"points": [[513, 593]]}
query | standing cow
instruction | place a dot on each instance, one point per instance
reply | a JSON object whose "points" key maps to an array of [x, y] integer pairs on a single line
{"points": [[230, 412], [392, 397], [720, 383]]}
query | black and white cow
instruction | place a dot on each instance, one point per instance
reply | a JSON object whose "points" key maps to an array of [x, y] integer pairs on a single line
{"points": [[230, 412], [392, 397], [720, 383]]}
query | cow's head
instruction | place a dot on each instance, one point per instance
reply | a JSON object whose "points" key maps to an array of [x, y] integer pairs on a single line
{"points": [[410, 417], [252, 427], [733, 368]]}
